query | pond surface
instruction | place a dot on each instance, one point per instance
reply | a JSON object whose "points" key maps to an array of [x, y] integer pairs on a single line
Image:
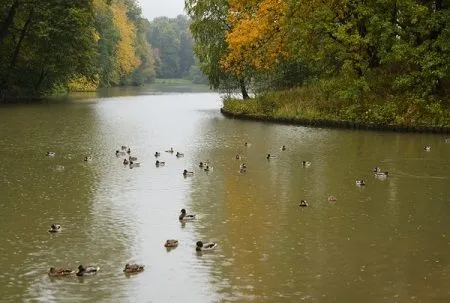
{"points": [[386, 242]]}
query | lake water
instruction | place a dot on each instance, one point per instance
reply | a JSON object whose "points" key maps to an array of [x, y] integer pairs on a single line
{"points": [[386, 242]]}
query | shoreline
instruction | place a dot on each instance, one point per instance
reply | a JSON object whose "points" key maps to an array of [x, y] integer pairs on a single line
{"points": [[337, 123]]}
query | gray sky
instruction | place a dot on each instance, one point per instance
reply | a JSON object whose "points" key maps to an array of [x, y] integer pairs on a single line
{"points": [[158, 8]]}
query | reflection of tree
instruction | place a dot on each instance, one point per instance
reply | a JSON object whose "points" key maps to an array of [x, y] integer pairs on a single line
{"points": [[270, 248]]}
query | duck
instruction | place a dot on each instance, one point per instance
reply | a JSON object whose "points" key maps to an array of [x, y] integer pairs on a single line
{"points": [[303, 203], [160, 163], [134, 164], [171, 243], [306, 163], [169, 150], [360, 183], [269, 156], [129, 150], [427, 148], [59, 272], [51, 154], [381, 174], [205, 246], [246, 144], [157, 154], [55, 228], [376, 169], [332, 198], [133, 268], [131, 158], [243, 166], [88, 270], [120, 153], [126, 162], [201, 164], [185, 217], [123, 147], [208, 168], [187, 173], [283, 148], [238, 157], [179, 155], [87, 158], [447, 140]]}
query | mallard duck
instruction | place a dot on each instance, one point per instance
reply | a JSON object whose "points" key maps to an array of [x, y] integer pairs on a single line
{"points": [[283, 148], [157, 154], [60, 168], [133, 268], [55, 228], [170, 150], [129, 150], [303, 203], [51, 154], [208, 168], [360, 183], [59, 272], [427, 148], [201, 165], [238, 157], [243, 166], [87, 158], [269, 156], [381, 174], [131, 158], [376, 169], [185, 217], [171, 243], [332, 198], [246, 144], [88, 270], [306, 163], [134, 164], [187, 173], [120, 153], [179, 155], [160, 163], [126, 162], [205, 246], [123, 147]]}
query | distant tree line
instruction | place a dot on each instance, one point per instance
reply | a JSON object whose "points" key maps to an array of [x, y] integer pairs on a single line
{"points": [[61, 45]]}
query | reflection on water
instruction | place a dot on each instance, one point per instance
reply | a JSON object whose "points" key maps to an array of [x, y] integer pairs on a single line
{"points": [[385, 242]]}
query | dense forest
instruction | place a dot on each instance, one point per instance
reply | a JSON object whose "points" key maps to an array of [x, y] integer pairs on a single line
{"points": [[62, 45], [353, 53]]}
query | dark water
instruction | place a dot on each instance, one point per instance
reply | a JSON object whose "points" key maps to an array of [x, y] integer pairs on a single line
{"points": [[386, 242]]}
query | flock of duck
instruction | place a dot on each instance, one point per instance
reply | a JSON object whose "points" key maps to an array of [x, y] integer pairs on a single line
{"points": [[132, 162]]}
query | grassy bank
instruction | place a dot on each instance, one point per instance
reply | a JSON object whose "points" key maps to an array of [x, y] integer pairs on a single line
{"points": [[318, 102]]}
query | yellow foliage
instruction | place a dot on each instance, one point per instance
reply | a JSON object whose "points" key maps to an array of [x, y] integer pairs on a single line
{"points": [[256, 38], [126, 57], [83, 84]]}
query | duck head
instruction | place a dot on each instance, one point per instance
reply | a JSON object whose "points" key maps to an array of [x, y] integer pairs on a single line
{"points": [[199, 244]]}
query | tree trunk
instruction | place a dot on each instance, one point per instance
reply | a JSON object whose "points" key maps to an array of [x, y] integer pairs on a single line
{"points": [[8, 21], [244, 92]]}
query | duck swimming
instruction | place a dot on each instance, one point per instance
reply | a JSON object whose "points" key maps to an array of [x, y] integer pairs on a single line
{"points": [[125, 162], [185, 217], [51, 154], [427, 148], [59, 272], [134, 164], [306, 163], [123, 147], [187, 173], [360, 183], [160, 163], [88, 270], [133, 268], [54, 228], [88, 159], [179, 155], [208, 168], [205, 246], [269, 156], [171, 243], [283, 148], [243, 166], [376, 169], [170, 150], [119, 153], [131, 158], [303, 203], [129, 150], [157, 154], [332, 199], [238, 157]]}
